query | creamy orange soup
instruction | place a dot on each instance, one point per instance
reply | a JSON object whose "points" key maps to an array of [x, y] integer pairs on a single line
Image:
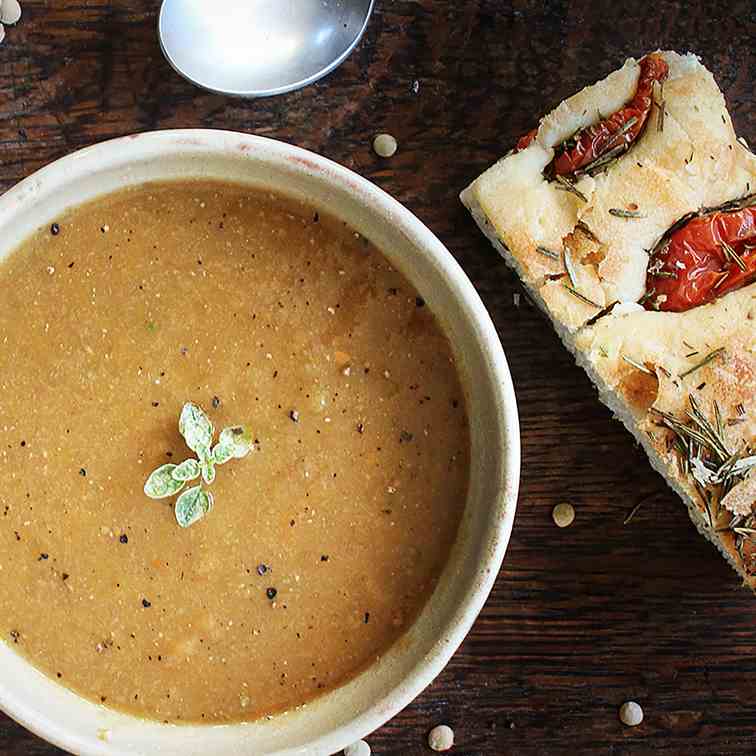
{"points": [[323, 544]]}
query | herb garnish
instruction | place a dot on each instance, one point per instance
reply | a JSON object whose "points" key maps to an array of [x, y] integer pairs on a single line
{"points": [[716, 470], [618, 212], [198, 431], [567, 185], [581, 297], [638, 365], [705, 361], [732, 255], [547, 252]]}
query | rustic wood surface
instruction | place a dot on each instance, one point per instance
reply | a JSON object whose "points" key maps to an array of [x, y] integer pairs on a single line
{"points": [[580, 619]]}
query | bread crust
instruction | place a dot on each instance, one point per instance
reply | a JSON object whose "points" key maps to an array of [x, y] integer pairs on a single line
{"points": [[618, 348]]}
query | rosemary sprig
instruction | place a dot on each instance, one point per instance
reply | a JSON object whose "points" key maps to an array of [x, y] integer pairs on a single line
{"points": [[705, 361], [637, 365], [618, 212], [580, 296], [569, 267], [547, 252], [732, 255], [703, 453], [564, 183], [627, 126], [603, 162]]}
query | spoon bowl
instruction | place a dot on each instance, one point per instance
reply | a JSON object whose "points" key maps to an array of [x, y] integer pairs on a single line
{"points": [[256, 48]]}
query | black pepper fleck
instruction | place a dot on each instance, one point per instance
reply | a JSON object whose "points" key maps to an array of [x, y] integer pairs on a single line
{"points": [[15, 636], [367, 617], [324, 558], [156, 404], [419, 301], [43, 556], [271, 593], [65, 576], [55, 229], [294, 415], [83, 472], [23, 443], [146, 604]]}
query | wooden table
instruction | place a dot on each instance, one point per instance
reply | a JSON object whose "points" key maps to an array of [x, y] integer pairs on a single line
{"points": [[580, 619]]}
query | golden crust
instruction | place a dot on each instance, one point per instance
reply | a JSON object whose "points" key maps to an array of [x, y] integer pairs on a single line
{"points": [[693, 161]]}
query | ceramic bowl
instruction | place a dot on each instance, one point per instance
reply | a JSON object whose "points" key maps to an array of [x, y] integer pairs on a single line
{"points": [[353, 711]]}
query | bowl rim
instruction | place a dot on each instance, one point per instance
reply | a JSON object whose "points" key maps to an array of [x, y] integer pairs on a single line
{"points": [[501, 518]]}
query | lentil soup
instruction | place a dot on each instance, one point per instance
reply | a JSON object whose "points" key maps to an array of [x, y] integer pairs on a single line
{"points": [[324, 543]]}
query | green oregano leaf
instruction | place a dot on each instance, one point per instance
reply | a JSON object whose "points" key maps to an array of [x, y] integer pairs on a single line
{"points": [[162, 484], [208, 469], [192, 506], [189, 469], [238, 439], [196, 428], [222, 453]]}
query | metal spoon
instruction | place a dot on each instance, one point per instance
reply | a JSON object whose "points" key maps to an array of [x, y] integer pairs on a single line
{"points": [[255, 48]]}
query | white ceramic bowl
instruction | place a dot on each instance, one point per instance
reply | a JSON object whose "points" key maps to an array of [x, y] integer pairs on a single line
{"points": [[356, 709]]}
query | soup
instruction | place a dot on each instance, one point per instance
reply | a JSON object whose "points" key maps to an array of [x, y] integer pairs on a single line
{"points": [[324, 543]]}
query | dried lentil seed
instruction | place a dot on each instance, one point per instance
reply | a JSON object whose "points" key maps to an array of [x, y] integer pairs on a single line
{"points": [[385, 145], [631, 714], [441, 738], [563, 514]]}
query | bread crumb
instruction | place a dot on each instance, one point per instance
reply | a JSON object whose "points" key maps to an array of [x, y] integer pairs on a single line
{"points": [[441, 738]]}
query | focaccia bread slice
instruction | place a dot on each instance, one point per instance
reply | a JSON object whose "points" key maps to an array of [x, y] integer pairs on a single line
{"points": [[684, 384], [601, 250], [683, 160]]}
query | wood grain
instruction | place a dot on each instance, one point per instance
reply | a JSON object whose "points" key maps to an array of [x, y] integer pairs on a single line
{"points": [[581, 619]]}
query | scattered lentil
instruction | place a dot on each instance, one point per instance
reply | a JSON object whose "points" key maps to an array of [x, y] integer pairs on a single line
{"points": [[294, 415], [631, 714], [55, 229], [385, 145], [563, 514], [271, 593], [441, 738], [124, 538], [262, 569]]}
